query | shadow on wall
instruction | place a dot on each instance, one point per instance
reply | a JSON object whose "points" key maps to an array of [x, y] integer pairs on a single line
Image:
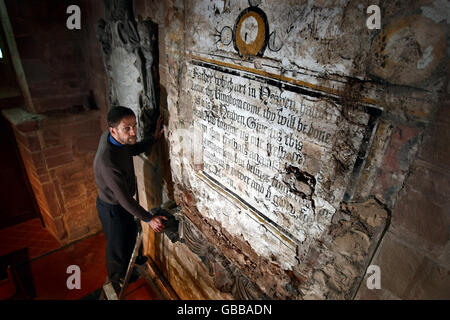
{"points": [[165, 158], [158, 185]]}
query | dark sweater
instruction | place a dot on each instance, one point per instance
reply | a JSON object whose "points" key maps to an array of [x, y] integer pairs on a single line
{"points": [[114, 174]]}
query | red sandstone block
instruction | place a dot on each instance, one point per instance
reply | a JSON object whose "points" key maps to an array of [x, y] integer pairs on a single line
{"points": [[53, 206], [55, 226], [398, 264], [396, 161], [64, 98], [73, 172], [62, 118], [78, 207], [28, 140], [77, 218], [60, 199], [59, 160], [436, 145], [38, 193], [57, 150], [83, 128], [75, 190], [33, 176], [32, 161], [432, 282], [89, 160], [26, 157], [28, 126], [421, 220], [88, 143], [42, 203], [38, 160], [43, 176], [52, 136]]}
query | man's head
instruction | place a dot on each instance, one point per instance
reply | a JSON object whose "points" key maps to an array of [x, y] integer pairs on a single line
{"points": [[122, 125]]}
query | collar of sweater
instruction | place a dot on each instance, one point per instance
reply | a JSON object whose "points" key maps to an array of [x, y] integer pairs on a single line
{"points": [[114, 141]]}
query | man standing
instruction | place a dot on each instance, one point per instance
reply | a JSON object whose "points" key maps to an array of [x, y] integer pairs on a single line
{"points": [[116, 184]]}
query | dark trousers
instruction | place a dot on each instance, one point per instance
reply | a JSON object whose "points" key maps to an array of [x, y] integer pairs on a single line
{"points": [[120, 230]]}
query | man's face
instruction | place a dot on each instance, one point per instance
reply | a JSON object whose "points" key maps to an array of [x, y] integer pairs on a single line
{"points": [[126, 130]]}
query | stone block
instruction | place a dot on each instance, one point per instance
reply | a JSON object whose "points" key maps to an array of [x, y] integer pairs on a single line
{"points": [[55, 226], [353, 244], [59, 160], [57, 150], [32, 161], [43, 175], [420, 220], [82, 128], [432, 181], [398, 265], [27, 46], [88, 143], [37, 159], [54, 103], [431, 282], [444, 258], [74, 172], [29, 140], [37, 71], [365, 293], [402, 149], [436, 145], [81, 221], [53, 207], [29, 126], [74, 193], [52, 136], [35, 184]]}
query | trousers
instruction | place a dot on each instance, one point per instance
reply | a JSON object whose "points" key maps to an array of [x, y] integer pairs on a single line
{"points": [[120, 231]]}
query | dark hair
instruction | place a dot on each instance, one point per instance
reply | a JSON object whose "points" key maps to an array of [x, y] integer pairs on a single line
{"points": [[118, 113]]}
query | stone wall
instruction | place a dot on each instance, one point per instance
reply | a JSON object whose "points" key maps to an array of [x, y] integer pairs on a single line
{"points": [[58, 136], [302, 147], [51, 55], [58, 152]]}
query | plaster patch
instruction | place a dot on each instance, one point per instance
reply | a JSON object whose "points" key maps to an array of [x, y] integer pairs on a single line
{"points": [[125, 78], [438, 12]]}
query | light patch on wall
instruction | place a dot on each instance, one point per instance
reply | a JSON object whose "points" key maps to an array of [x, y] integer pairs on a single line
{"points": [[125, 79], [1, 53], [440, 10], [426, 58]]}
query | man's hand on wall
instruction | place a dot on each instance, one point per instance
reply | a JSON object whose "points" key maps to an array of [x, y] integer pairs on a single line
{"points": [[159, 129], [157, 224]]}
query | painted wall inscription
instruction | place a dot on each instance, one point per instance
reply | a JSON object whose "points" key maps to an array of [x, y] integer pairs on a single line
{"points": [[285, 152]]}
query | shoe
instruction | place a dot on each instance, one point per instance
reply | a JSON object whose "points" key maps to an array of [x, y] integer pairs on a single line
{"points": [[133, 278], [117, 285]]}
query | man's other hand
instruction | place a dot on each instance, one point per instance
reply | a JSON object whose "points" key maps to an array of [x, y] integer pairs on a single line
{"points": [[157, 224]]}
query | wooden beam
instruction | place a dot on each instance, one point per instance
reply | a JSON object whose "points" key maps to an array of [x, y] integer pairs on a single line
{"points": [[15, 57]]}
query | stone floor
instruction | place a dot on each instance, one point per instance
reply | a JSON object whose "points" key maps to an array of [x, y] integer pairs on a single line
{"points": [[42, 265]]}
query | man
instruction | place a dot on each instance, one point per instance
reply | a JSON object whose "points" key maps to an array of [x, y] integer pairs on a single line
{"points": [[116, 184]]}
